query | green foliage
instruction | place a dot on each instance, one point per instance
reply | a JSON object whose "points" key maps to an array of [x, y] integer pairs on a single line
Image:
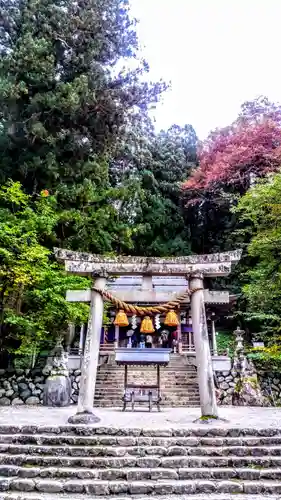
{"points": [[260, 209], [68, 99], [225, 340], [81, 167], [268, 358], [66, 102], [158, 163], [32, 287]]}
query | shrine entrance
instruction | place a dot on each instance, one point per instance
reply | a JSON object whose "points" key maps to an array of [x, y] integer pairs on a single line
{"points": [[194, 268]]}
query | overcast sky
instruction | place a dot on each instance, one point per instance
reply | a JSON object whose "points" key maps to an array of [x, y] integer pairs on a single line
{"points": [[217, 54]]}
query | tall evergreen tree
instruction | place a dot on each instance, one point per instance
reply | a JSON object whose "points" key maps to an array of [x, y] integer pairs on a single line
{"points": [[64, 104], [158, 164]]}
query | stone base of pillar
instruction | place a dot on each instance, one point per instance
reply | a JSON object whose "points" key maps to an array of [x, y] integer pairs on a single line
{"points": [[84, 418]]}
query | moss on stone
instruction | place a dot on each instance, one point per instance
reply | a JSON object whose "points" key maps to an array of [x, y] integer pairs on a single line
{"points": [[208, 417]]}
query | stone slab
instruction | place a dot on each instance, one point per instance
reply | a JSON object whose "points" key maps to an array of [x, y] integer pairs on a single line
{"points": [[210, 297], [64, 254], [124, 441], [168, 487], [138, 474], [181, 419], [57, 391], [157, 269], [75, 496]]}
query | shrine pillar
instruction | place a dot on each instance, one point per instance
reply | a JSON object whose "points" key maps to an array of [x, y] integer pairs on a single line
{"points": [[116, 338], [85, 413], [214, 337], [81, 339], [203, 355]]}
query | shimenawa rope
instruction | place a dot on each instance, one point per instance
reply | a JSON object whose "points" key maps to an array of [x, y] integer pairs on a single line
{"points": [[144, 311]]}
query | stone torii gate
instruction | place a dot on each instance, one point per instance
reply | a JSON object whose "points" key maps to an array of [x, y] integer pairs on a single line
{"points": [[194, 267]]}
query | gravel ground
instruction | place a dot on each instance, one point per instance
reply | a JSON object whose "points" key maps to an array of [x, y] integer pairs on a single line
{"points": [[175, 417]]}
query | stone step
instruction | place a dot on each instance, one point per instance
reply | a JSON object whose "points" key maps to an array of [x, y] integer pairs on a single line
{"points": [[46, 496], [84, 430], [170, 382], [169, 370], [120, 376], [113, 382], [142, 379], [141, 451], [184, 395], [164, 375], [137, 474], [123, 441], [173, 366], [179, 374], [183, 388], [187, 386], [165, 397], [181, 391], [165, 401], [119, 385], [165, 393], [168, 487], [113, 398], [189, 383], [172, 372], [164, 383], [109, 403], [171, 462]]}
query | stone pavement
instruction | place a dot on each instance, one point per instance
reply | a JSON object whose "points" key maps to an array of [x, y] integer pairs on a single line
{"points": [[175, 417]]}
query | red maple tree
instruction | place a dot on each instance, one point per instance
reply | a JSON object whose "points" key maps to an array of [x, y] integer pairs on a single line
{"points": [[251, 145]]}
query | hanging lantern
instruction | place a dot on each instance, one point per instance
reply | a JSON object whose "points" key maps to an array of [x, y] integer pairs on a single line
{"points": [[171, 318], [147, 325], [121, 319]]}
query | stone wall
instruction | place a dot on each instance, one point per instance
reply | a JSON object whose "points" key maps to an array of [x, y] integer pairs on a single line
{"points": [[19, 387], [226, 382], [270, 385]]}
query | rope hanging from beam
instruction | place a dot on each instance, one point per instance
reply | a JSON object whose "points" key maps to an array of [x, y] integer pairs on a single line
{"points": [[149, 310]]}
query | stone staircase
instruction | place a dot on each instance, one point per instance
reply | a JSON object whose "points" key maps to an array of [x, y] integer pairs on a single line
{"points": [[76, 463], [179, 385]]}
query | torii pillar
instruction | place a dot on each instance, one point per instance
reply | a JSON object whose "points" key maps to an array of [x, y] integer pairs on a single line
{"points": [[193, 266], [85, 412], [202, 347]]}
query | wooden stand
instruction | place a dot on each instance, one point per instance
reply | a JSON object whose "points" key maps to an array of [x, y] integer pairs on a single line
{"points": [[136, 393], [142, 393]]}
